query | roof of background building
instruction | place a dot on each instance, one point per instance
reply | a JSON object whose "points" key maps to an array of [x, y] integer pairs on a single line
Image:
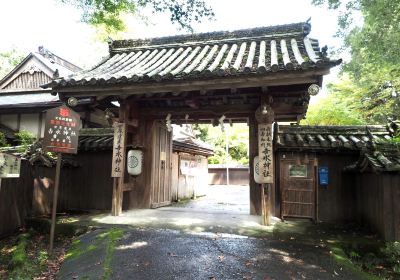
{"points": [[256, 51], [94, 139], [55, 65]]}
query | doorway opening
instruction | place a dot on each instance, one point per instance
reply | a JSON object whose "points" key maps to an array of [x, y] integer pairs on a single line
{"points": [[218, 182]]}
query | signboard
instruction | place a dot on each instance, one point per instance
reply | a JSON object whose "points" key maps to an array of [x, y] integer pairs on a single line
{"points": [[323, 175], [61, 130], [265, 153], [117, 166], [188, 167], [10, 166]]}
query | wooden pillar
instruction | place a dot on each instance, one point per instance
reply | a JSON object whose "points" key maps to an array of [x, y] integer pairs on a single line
{"points": [[265, 117], [255, 189]]}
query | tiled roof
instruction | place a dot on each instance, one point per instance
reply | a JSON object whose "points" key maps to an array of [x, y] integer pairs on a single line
{"points": [[383, 157], [329, 137], [29, 98], [258, 51]]}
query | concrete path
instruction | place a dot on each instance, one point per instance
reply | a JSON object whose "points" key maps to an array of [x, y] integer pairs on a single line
{"points": [[223, 209]]}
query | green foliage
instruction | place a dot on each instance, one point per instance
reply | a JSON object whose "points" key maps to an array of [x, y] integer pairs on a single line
{"points": [[24, 139], [3, 140], [340, 107], [374, 68], [109, 13], [238, 138], [8, 60], [392, 254]]}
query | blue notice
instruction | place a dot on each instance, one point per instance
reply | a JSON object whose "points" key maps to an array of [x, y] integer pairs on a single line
{"points": [[323, 175]]}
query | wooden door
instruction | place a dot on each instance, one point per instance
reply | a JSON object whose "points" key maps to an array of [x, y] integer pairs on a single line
{"points": [[297, 184], [161, 191]]}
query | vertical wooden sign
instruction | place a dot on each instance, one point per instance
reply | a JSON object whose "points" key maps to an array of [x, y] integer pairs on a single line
{"points": [[265, 154], [118, 161]]}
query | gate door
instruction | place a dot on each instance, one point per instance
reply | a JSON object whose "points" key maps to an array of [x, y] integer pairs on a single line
{"points": [[161, 191], [297, 189]]}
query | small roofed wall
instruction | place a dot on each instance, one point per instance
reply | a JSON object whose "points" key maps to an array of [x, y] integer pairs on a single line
{"points": [[336, 201]]}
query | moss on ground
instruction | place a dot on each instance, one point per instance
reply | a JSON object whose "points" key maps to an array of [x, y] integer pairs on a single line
{"points": [[113, 236], [105, 242]]}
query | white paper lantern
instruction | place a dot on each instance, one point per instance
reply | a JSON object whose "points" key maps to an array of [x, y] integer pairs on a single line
{"points": [[134, 162], [257, 176]]}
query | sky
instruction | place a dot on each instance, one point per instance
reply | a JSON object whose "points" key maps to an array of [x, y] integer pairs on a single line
{"points": [[27, 24]]}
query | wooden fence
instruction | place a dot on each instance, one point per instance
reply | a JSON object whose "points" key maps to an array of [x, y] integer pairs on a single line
{"points": [[15, 200], [237, 176], [377, 200]]}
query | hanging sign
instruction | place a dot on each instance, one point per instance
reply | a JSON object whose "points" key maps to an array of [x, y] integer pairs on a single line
{"points": [[61, 130], [10, 166], [118, 163], [265, 153]]}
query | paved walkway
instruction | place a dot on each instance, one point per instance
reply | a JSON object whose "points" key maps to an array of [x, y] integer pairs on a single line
{"points": [[223, 209]]}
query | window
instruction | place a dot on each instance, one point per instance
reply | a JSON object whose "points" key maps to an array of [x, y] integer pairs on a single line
{"points": [[298, 170]]}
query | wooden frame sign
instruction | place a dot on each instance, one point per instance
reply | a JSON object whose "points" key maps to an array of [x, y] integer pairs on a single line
{"points": [[61, 130], [10, 166], [265, 154], [118, 157]]}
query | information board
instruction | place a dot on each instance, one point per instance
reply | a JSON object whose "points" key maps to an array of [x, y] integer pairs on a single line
{"points": [[61, 130], [10, 166]]}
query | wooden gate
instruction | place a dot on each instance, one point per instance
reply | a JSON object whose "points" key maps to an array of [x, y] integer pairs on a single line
{"points": [[161, 190], [298, 191]]}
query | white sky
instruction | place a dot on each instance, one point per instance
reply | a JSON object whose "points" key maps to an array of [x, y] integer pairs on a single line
{"points": [[27, 24]]}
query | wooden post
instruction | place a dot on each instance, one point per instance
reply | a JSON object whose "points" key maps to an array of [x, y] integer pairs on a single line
{"points": [[55, 198], [255, 189], [265, 117]]}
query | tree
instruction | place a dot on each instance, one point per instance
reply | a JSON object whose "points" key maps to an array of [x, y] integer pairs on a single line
{"points": [[340, 107], [8, 60], [238, 143], [374, 46], [108, 13]]}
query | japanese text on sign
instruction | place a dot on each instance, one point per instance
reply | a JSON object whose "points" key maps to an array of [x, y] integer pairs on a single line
{"points": [[10, 166], [118, 150], [61, 130], [265, 153]]}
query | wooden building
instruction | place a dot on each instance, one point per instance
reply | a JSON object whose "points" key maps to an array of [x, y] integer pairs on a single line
{"points": [[23, 102], [255, 75]]}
